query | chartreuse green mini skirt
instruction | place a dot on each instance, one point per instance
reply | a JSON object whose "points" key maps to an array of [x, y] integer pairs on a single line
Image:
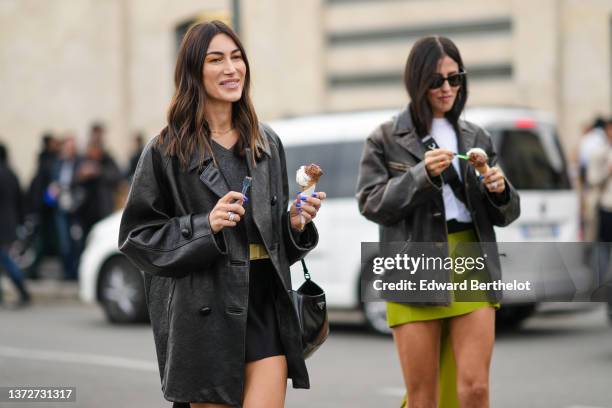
{"points": [[399, 313]]}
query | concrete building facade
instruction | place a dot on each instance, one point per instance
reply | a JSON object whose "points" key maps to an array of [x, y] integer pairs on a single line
{"points": [[66, 63]]}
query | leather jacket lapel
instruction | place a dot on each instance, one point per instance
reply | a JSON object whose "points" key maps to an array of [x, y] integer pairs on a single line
{"points": [[411, 143], [213, 179], [406, 135], [211, 176], [260, 194]]}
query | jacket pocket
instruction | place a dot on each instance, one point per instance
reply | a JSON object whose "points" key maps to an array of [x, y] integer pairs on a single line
{"points": [[235, 310], [399, 166]]}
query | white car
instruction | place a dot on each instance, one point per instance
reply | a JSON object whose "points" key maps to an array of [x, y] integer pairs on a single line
{"points": [[108, 277], [529, 152]]}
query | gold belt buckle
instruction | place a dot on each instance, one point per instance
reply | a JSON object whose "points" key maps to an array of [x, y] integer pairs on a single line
{"points": [[257, 251]]}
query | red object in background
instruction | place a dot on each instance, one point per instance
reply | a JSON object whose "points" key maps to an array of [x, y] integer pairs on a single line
{"points": [[525, 124]]}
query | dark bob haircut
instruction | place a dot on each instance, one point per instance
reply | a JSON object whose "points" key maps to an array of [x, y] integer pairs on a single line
{"points": [[421, 67]]}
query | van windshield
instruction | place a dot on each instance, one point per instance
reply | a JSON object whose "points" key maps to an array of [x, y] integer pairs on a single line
{"points": [[339, 161], [531, 160]]}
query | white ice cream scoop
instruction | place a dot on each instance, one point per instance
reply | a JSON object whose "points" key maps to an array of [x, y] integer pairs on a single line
{"points": [[301, 178]]}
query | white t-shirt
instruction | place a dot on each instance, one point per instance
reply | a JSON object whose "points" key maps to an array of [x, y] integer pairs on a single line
{"points": [[592, 142], [444, 135]]}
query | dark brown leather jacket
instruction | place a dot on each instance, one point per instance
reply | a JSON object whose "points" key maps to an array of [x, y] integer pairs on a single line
{"points": [[395, 191]]}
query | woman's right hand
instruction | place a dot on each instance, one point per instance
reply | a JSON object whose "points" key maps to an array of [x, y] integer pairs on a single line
{"points": [[437, 160], [219, 217]]}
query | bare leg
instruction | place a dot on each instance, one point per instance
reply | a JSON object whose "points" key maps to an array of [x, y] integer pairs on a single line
{"points": [[418, 346], [447, 388], [472, 337], [266, 383]]}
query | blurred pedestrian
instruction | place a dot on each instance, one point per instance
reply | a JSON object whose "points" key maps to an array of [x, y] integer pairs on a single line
{"points": [[412, 183], [217, 265], [593, 141], [40, 214], [135, 156], [100, 176], [67, 196], [11, 214], [42, 177], [599, 177]]}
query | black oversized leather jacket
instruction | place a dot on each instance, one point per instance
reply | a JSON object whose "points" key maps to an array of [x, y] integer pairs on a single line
{"points": [[197, 282]]}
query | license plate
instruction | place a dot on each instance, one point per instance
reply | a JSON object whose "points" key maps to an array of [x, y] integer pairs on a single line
{"points": [[539, 231]]}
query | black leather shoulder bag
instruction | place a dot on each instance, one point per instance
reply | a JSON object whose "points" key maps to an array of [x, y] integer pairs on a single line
{"points": [[311, 308]]}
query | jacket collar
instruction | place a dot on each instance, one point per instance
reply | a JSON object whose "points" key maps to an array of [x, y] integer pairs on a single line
{"points": [[405, 131]]}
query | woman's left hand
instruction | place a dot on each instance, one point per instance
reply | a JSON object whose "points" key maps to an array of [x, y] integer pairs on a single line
{"points": [[304, 209], [494, 180]]}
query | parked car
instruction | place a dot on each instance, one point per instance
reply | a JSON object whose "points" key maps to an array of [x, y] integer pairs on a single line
{"points": [[529, 152]]}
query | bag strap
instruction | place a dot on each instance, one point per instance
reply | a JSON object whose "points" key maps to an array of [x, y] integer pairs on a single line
{"points": [[306, 274]]}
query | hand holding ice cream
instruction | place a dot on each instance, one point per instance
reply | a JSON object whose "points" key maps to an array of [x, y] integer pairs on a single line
{"points": [[478, 158], [308, 176], [308, 202], [492, 177]]}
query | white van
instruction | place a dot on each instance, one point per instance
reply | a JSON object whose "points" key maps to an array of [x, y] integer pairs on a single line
{"points": [[529, 153]]}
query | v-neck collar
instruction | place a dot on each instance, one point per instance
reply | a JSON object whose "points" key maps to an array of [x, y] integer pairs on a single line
{"points": [[230, 149]]}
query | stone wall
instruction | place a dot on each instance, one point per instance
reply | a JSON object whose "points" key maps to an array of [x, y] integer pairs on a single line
{"points": [[66, 63]]}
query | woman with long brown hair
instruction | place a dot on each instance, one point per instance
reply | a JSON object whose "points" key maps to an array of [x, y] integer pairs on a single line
{"points": [[413, 184], [207, 221]]}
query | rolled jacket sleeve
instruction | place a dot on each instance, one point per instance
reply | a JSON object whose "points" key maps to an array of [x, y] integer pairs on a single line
{"points": [[502, 208], [299, 243], [154, 239]]}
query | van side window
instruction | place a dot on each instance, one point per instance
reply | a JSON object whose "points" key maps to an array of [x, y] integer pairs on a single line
{"points": [[526, 162], [339, 161]]}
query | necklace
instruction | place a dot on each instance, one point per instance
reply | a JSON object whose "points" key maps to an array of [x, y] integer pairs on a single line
{"points": [[223, 132]]}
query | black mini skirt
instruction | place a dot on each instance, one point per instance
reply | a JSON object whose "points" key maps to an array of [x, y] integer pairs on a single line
{"points": [[262, 331]]}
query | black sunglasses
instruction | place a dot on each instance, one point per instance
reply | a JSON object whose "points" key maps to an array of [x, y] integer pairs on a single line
{"points": [[453, 80]]}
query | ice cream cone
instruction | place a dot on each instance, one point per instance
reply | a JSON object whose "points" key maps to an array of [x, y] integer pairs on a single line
{"points": [[306, 177], [478, 158], [306, 191], [482, 170]]}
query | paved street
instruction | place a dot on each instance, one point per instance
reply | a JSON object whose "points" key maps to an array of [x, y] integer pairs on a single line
{"points": [[561, 358]]}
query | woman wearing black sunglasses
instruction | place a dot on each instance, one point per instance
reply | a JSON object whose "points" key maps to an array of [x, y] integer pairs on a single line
{"points": [[413, 184]]}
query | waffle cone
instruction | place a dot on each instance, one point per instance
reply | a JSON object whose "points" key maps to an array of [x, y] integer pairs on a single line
{"points": [[482, 170], [309, 189]]}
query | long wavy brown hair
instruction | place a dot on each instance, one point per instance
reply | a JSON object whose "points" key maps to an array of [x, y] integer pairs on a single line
{"points": [[187, 130]]}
